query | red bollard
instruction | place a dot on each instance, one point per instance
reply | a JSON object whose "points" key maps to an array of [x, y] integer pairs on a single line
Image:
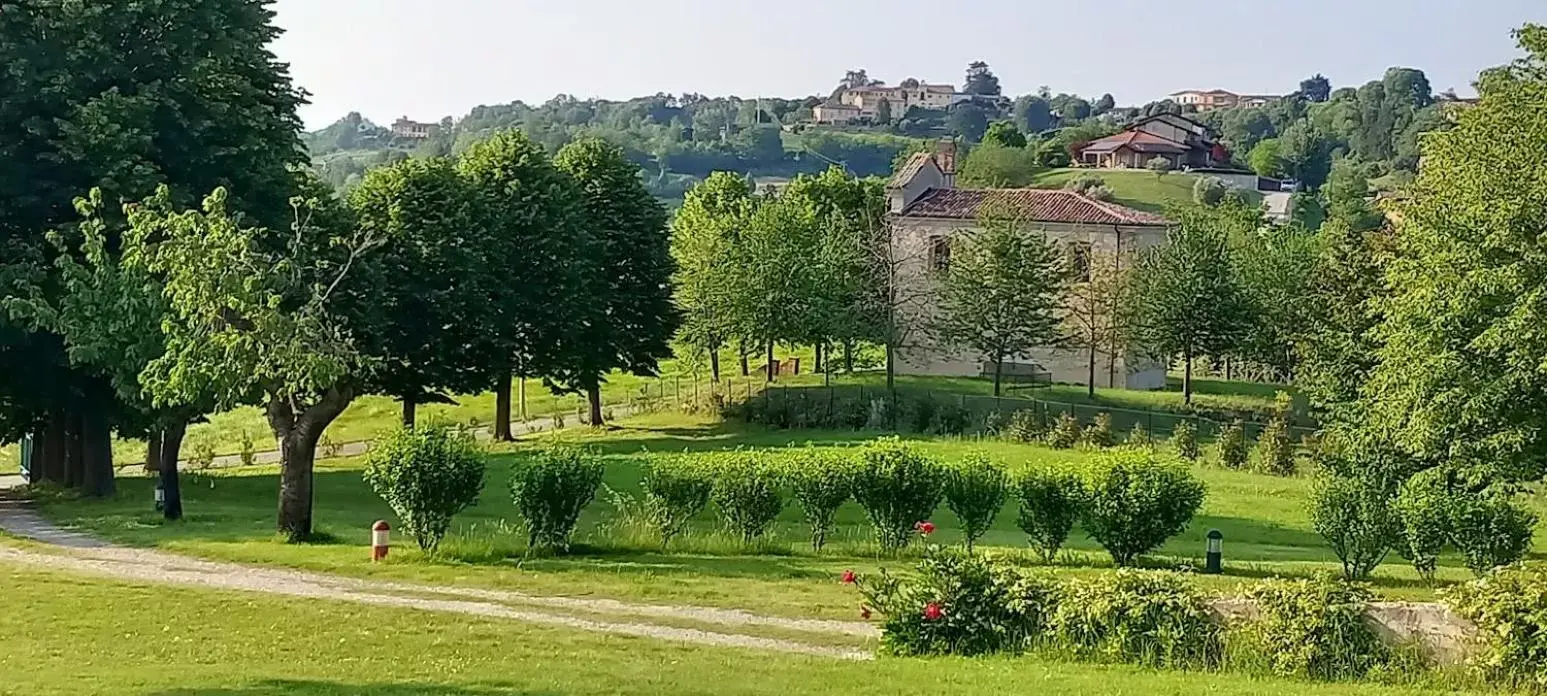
{"points": [[379, 535]]}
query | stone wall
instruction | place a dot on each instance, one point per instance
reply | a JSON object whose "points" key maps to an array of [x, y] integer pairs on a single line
{"points": [[1434, 628]]}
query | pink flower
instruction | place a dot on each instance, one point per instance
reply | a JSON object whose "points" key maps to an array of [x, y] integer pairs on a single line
{"points": [[864, 613], [932, 612], [925, 528], [849, 578]]}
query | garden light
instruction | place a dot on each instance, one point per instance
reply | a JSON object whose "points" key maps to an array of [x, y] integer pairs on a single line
{"points": [[379, 537], [1215, 552]]}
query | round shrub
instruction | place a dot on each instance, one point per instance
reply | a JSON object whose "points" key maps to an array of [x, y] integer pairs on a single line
{"points": [[1509, 609], [1139, 437], [676, 488], [821, 481], [1024, 426], [1050, 498], [550, 488], [1315, 629], [898, 487], [427, 475], [1065, 433], [1150, 618], [1424, 512], [1274, 454], [1356, 516], [746, 492], [975, 489], [1184, 439], [1209, 190], [1490, 530], [1100, 434], [1233, 452], [1134, 502]]}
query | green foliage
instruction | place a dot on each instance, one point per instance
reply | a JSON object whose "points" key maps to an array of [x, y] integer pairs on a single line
{"points": [[1233, 450], [1315, 629], [551, 487], [1209, 190], [1004, 134], [1424, 509], [1275, 454], [1356, 516], [975, 490], [1134, 502], [1145, 617], [1184, 440], [1100, 434], [1490, 530], [248, 453], [1050, 498], [676, 489], [992, 165], [820, 481], [898, 486], [1139, 437], [1509, 609], [1266, 159], [426, 475], [746, 492], [1159, 165], [1065, 433], [1025, 426]]}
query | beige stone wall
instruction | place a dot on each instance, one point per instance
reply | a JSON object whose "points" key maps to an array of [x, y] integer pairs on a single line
{"points": [[913, 239]]}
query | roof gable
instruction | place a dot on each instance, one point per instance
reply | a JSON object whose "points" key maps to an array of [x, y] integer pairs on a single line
{"points": [[912, 168], [1037, 205]]}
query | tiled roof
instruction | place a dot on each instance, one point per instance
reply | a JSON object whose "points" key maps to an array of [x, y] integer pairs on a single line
{"points": [[910, 169], [1037, 205], [1138, 141]]}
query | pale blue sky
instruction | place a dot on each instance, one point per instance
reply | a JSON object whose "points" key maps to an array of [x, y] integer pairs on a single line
{"points": [[434, 58]]}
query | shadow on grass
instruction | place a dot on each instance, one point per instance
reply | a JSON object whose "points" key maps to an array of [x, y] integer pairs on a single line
{"points": [[284, 687]]}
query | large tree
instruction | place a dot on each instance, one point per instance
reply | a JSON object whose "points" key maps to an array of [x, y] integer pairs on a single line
{"points": [[1099, 317], [627, 313], [703, 242], [1002, 293], [981, 80], [1316, 88]]}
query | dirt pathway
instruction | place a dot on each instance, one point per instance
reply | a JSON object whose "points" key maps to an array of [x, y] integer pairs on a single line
{"points": [[77, 553]]}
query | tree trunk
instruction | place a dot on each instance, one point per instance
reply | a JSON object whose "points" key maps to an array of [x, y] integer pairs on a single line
{"points": [[998, 374], [1090, 389], [1187, 377], [75, 450], [848, 357], [297, 434], [770, 368], [816, 364], [153, 451], [169, 444], [51, 451], [891, 369], [502, 406], [521, 398], [96, 455], [594, 396], [714, 366], [746, 370], [410, 412]]}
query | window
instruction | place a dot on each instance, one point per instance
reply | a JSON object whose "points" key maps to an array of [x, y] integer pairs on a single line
{"points": [[1079, 262], [939, 253]]}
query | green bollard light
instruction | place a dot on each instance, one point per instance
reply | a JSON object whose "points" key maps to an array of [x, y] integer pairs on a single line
{"points": [[1212, 563]]}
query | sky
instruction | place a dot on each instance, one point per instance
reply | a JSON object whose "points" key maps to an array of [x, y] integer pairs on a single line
{"points": [[427, 59]]}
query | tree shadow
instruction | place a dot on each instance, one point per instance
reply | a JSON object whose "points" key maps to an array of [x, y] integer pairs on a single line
{"points": [[285, 687]]}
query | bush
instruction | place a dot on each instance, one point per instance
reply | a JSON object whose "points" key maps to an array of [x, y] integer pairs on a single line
{"points": [[1355, 516], [1101, 193], [880, 415], [975, 489], [1159, 165], [1423, 511], [676, 488], [950, 418], [1509, 609], [1490, 530], [1233, 453], [1024, 426], [1274, 454], [1084, 183], [1100, 434], [426, 475], [550, 488], [1139, 437], [821, 481], [1133, 502], [746, 492], [1209, 190], [1315, 629], [249, 454], [1050, 504], [980, 607], [1065, 433], [994, 424], [1150, 618], [1184, 439], [898, 486]]}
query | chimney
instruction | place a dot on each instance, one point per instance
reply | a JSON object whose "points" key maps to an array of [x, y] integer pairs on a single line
{"points": [[945, 158]]}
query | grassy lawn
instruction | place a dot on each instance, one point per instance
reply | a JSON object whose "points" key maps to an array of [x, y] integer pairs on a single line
{"points": [[231, 516], [1142, 190], [66, 635]]}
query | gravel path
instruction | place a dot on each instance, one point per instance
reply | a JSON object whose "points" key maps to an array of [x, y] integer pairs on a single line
{"points": [[78, 553]]}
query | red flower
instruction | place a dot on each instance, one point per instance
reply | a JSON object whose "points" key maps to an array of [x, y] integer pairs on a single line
{"points": [[925, 528], [864, 613], [849, 578], [932, 612]]}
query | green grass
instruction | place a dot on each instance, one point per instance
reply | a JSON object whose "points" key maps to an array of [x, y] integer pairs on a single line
{"points": [[66, 635], [1142, 190], [231, 516]]}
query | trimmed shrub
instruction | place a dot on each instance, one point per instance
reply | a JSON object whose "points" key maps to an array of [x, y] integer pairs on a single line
{"points": [[550, 488], [1134, 502], [1083, 183], [978, 607], [994, 423], [1275, 455], [1184, 439], [821, 481], [1356, 517], [1233, 452], [1065, 433], [249, 453], [676, 488], [1050, 505], [1509, 608], [898, 487], [1423, 508], [1315, 629], [1139, 437], [975, 489], [950, 418], [746, 492], [1209, 190], [426, 475], [1024, 426], [1490, 530], [1100, 434], [1155, 619]]}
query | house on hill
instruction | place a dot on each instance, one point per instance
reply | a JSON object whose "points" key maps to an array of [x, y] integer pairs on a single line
{"points": [[1210, 99], [407, 128], [854, 103], [927, 210], [1184, 142]]}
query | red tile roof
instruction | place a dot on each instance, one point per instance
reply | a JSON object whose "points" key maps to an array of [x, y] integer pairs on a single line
{"points": [[1038, 205], [910, 169], [1138, 141]]}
